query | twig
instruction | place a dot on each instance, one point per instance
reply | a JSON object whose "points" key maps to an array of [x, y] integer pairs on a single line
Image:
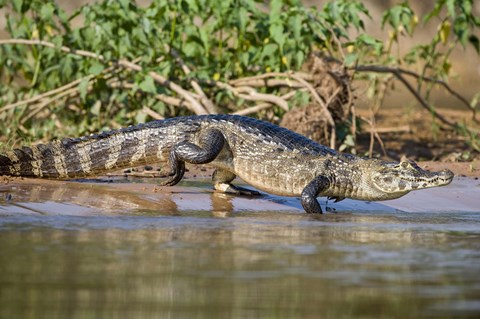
{"points": [[167, 99], [317, 98], [376, 135], [239, 82], [256, 96], [44, 95], [172, 100], [398, 73], [252, 94], [263, 106], [211, 108], [268, 82], [52, 45], [394, 129], [40, 106], [300, 78], [195, 107], [152, 113]]}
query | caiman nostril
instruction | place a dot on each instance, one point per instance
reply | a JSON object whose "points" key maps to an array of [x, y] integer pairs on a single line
{"points": [[446, 173]]}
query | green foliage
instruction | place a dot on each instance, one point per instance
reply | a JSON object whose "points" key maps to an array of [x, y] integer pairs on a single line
{"points": [[219, 40], [216, 40]]}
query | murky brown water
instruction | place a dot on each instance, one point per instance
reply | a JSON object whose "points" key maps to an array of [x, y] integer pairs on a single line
{"points": [[75, 250]]}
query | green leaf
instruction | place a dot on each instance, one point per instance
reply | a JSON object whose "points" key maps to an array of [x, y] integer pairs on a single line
{"points": [[67, 67], [473, 39], [17, 5], [275, 10], [268, 51], [299, 58], [451, 8], [83, 89], [148, 85], [140, 117], [242, 19], [276, 33], [204, 36], [436, 10], [296, 27], [46, 12], [96, 68]]}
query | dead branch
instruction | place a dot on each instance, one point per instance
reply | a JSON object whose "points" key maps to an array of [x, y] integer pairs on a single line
{"points": [[268, 82], [39, 107], [300, 78], [263, 106], [52, 45], [44, 95], [238, 82], [252, 95], [374, 132], [209, 105], [195, 107], [152, 113], [399, 72]]}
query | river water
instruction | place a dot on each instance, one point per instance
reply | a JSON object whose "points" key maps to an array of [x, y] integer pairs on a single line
{"points": [[73, 250]]}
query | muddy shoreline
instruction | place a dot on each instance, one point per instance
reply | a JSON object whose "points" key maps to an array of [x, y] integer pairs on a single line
{"points": [[122, 193]]}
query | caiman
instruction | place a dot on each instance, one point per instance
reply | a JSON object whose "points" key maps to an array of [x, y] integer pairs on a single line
{"points": [[270, 158]]}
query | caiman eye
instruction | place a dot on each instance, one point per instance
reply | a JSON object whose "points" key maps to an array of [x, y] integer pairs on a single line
{"points": [[405, 164]]}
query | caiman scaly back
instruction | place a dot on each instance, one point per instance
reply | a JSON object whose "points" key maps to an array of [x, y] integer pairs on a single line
{"points": [[268, 157]]}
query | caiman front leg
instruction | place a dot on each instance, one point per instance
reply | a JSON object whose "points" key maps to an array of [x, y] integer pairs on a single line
{"points": [[221, 182], [310, 193], [211, 144]]}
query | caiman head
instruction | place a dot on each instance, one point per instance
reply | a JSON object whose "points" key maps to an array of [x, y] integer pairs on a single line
{"points": [[397, 179]]}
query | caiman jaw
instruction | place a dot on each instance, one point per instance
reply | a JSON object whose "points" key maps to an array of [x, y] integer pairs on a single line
{"points": [[397, 179]]}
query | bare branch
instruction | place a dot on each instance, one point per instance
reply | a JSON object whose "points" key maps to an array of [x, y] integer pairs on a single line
{"points": [[373, 133], [263, 106], [39, 107], [172, 100], [253, 95], [268, 82], [398, 74], [209, 105], [44, 95], [52, 45], [167, 99], [238, 82], [396, 70], [195, 107], [152, 113], [317, 98]]}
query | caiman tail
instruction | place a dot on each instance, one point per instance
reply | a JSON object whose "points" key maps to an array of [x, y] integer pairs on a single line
{"points": [[85, 156]]}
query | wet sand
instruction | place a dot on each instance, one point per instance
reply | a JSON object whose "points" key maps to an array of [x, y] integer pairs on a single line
{"points": [[122, 195]]}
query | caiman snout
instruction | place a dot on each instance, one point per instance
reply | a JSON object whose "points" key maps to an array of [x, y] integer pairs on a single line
{"points": [[447, 175], [396, 179]]}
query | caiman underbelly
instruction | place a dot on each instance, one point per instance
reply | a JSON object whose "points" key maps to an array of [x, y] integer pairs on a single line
{"points": [[271, 177]]}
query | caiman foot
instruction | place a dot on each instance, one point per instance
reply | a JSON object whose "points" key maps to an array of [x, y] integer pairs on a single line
{"points": [[228, 188], [177, 170], [210, 146], [221, 182], [310, 193]]}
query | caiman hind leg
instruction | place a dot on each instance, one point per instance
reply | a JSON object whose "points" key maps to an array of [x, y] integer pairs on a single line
{"points": [[310, 193], [210, 146], [221, 182]]}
